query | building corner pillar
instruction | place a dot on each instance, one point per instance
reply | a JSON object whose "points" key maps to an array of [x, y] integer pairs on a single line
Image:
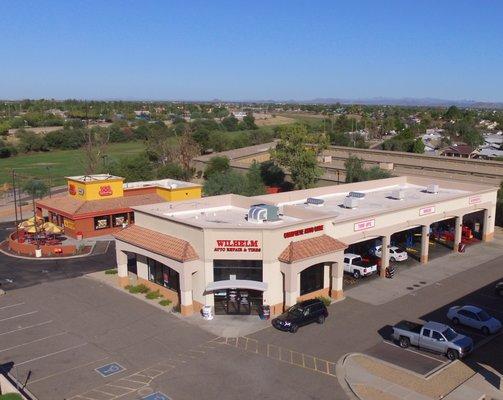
{"points": [[122, 270], [425, 244], [385, 242], [292, 290], [458, 225], [488, 226], [186, 304], [336, 279]]}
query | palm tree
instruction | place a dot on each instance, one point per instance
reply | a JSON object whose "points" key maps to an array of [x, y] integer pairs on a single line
{"points": [[37, 189]]}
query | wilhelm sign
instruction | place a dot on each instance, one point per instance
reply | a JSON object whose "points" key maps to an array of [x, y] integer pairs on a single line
{"points": [[242, 246]]}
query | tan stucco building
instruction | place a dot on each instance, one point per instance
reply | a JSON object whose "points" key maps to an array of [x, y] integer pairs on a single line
{"points": [[236, 253]]}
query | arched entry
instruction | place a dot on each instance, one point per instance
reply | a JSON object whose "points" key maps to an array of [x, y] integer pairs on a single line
{"points": [[237, 296]]}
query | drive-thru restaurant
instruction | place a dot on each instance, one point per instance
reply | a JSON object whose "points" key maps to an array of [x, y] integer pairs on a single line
{"points": [[236, 253]]}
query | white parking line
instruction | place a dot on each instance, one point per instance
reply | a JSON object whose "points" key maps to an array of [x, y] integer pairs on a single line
{"points": [[12, 305], [32, 341], [19, 315], [416, 352], [67, 370], [52, 354], [27, 327]]}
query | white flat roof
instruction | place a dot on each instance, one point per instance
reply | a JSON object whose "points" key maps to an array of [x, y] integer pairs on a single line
{"points": [[230, 211], [165, 183], [93, 178]]}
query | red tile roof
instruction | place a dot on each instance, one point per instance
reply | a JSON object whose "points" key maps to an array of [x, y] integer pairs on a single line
{"points": [[72, 206], [302, 249], [159, 243]]}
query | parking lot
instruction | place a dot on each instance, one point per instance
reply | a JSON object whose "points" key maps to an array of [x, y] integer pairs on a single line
{"points": [[78, 338]]}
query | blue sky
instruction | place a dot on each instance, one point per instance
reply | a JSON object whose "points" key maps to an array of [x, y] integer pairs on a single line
{"points": [[239, 50]]}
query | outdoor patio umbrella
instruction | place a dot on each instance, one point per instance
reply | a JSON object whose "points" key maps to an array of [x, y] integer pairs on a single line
{"points": [[51, 228], [31, 229]]}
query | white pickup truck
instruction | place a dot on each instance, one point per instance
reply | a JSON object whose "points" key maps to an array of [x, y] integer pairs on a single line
{"points": [[354, 265]]}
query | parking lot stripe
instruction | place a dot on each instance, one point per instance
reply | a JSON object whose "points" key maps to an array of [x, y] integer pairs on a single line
{"points": [[32, 341], [416, 352], [52, 354], [19, 315], [67, 370], [27, 327], [12, 305]]}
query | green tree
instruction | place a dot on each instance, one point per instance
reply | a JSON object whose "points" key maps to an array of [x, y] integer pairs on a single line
{"points": [[248, 122], [224, 183], [133, 169], [217, 164], [300, 159], [417, 146], [230, 123], [356, 172], [254, 183], [271, 173], [172, 171]]}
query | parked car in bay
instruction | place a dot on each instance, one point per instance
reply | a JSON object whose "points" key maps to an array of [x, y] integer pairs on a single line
{"points": [[303, 313], [433, 336], [474, 317], [395, 253], [356, 266]]}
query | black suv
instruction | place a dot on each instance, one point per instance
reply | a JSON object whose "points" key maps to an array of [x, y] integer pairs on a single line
{"points": [[302, 313], [498, 289]]}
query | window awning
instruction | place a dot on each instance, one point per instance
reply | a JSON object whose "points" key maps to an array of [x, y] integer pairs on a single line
{"points": [[237, 284]]}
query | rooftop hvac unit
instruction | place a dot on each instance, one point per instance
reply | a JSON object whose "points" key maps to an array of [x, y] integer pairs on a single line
{"points": [[433, 188], [262, 213], [313, 201], [350, 202], [357, 195], [398, 194]]}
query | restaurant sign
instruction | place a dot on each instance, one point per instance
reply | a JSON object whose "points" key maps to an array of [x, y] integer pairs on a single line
{"points": [[69, 224], [105, 190], [304, 231], [238, 246]]}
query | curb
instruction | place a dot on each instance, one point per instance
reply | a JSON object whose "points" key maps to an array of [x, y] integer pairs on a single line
{"points": [[340, 371], [51, 258]]}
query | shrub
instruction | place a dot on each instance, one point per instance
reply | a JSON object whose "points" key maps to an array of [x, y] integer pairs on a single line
{"points": [[153, 295], [112, 271], [139, 289], [326, 300], [165, 302]]}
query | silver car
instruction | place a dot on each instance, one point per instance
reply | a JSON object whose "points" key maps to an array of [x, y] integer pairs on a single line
{"points": [[474, 317]]}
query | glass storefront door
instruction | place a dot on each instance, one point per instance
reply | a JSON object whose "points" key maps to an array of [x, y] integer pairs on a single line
{"points": [[237, 302]]}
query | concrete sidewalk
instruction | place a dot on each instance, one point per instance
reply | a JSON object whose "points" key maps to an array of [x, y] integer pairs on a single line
{"points": [[381, 291], [367, 378]]}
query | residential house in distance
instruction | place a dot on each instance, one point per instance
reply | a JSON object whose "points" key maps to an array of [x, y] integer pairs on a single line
{"points": [[458, 150]]}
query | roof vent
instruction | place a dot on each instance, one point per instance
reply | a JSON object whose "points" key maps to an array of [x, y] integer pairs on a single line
{"points": [[350, 202], [262, 213], [433, 188], [357, 195], [313, 201], [398, 194]]}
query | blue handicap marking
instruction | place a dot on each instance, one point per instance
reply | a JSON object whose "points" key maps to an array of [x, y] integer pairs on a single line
{"points": [[156, 396], [110, 369]]}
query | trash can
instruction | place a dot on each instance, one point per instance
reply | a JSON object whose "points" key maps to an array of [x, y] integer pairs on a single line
{"points": [[264, 312], [38, 253], [79, 235], [207, 312]]}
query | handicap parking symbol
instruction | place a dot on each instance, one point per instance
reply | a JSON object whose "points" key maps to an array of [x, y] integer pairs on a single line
{"points": [[156, 396], [110, 369]]}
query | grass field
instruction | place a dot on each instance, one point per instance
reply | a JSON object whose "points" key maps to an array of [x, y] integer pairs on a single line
{"points": [[59, 163]]}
